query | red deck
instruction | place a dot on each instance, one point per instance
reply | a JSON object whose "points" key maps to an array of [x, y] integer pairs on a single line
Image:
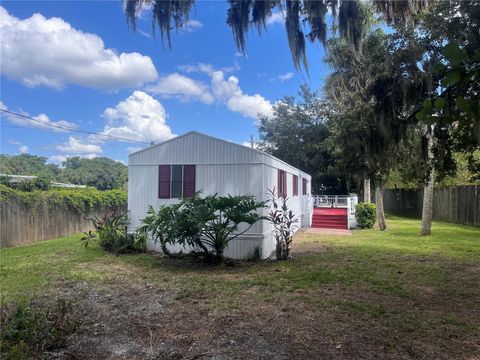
{"points": [[330, 218]]}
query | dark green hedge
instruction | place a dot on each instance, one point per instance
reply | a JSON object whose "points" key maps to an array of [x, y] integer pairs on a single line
{"points": [[365, 214], [81, 200]]}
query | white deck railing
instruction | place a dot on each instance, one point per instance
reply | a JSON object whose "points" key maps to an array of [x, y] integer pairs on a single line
{"points": [[335, 201]]}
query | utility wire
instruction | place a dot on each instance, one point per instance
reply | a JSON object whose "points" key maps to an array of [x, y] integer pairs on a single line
{"points": [[118, 138]]}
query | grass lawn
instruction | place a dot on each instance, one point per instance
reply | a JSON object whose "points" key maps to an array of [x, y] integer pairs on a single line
{"points": [[374, 294]]}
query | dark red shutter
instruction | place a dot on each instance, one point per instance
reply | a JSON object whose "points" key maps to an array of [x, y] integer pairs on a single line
{"points": [[304, 187], [164, 181], [188, 180], [285, 191]]}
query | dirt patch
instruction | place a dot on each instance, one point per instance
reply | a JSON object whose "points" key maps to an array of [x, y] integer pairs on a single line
{"points": [[175, 311], [135, 319]]}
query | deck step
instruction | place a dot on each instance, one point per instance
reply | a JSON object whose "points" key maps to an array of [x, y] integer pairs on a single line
{"points": [[330, 219], [343, 227]]}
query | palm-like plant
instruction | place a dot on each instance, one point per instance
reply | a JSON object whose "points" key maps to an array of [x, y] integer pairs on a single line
{"points": [[284, 224], [205, 224]]}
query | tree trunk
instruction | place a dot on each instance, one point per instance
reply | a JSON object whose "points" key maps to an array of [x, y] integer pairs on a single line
{"points": [[366, 191], [382, 224], [427, 208]]}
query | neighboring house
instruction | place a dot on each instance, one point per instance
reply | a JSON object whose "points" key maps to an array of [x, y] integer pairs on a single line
{"points": [[165, 172]]}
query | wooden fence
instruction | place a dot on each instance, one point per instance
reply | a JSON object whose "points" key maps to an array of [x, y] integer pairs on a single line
{"points": [[22, 223], [459, 204]]}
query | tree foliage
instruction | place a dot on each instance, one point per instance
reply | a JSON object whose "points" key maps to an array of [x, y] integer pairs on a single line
{"points": [[26, 164], [304, 19], [297, 133], [102, 173]]}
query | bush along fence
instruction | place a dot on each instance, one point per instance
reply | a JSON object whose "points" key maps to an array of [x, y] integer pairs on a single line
{"points": [[27, 217], [459, 204]]}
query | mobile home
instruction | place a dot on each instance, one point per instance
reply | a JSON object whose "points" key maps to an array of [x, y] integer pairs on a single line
{"points": [[168, 171]]}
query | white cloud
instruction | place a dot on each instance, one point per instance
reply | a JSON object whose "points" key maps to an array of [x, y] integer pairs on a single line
{"points": [[250, 105], [207, 68], [182, 87], [193, 25], [221, 90], [276, 18], [74, 145], [224, 89], [230, 92], [22, 149], [58, 159], [249, 144], [39, 51], [282, 77], [139, 117], [43, 120], [197, 67], [132, 149]]}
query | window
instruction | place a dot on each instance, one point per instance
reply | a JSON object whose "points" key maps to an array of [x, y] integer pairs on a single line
{"points": [[176, 181], [304, 186], [295, 185], [282, 183]]}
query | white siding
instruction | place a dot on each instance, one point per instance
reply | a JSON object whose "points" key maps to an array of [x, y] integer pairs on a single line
{"points": [[195, 148], [300, 205], [223, 168]]}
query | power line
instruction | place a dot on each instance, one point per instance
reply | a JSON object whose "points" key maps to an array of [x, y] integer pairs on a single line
{"points": [[66, 128]]}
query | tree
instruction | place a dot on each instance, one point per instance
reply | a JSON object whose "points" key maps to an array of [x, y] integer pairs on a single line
{"points": [[101, 172], [26, 164], [434, 84], [304, 19], [365, 140], [297, 133]]}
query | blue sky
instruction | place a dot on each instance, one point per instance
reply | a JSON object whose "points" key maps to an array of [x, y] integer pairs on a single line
{"points": [[78, 65]]}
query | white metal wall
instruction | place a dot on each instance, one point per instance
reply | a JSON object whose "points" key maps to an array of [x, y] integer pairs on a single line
{"points": [[300, 204]]}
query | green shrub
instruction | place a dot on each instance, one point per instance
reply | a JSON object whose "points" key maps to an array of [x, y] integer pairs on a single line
{"points": [[111, 234], [365, 214], [206, 224], [30, 330]]}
